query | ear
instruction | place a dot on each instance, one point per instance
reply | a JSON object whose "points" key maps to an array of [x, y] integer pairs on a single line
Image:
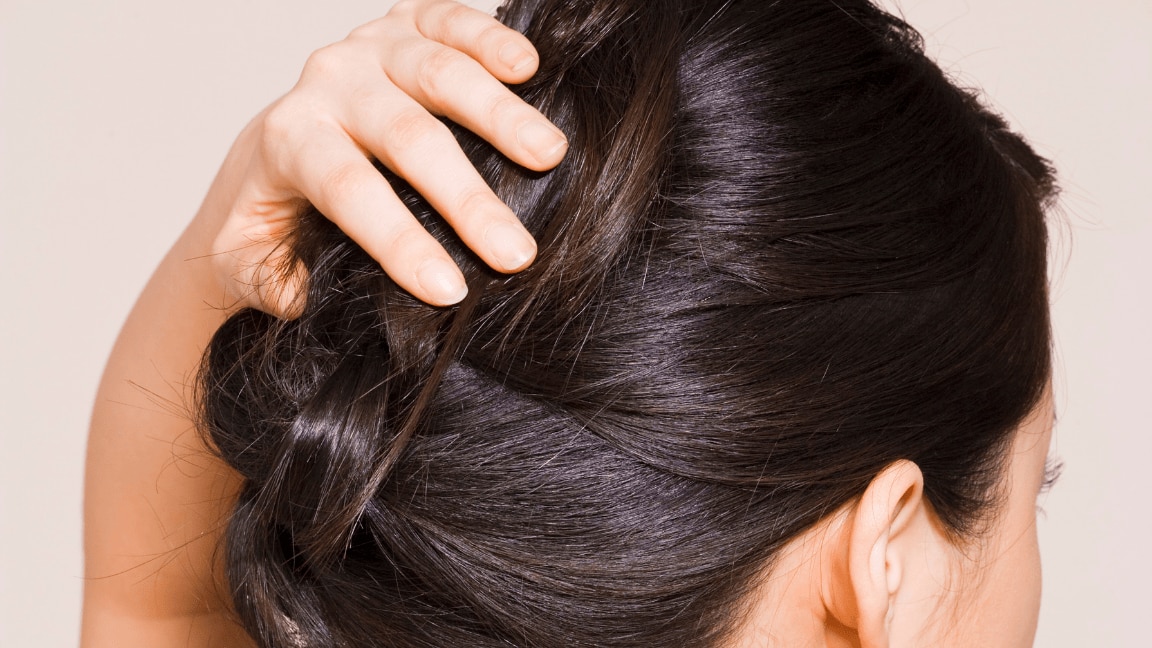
{"points": [[876, 560]]}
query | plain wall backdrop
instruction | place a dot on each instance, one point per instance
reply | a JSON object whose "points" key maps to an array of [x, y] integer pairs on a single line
{"points": [[114, 116]]}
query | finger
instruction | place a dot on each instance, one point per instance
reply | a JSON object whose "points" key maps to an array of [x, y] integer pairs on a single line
{"points": [[423, 151], [336, 177], [503, 51], [454, 85], [278, 285], [259, 269]]}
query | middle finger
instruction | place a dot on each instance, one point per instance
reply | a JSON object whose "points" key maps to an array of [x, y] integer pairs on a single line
{"points": [[422, 150]]}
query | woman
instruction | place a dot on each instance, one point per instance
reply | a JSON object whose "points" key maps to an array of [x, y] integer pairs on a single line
{"points": [[778, 377]]}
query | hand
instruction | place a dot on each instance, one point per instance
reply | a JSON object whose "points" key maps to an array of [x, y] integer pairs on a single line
{"points": [[374, 94]]}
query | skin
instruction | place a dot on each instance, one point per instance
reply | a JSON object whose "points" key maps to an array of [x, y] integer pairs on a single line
{"points": [[879, 572], [371, 95], [155, 496], [882, 573]]}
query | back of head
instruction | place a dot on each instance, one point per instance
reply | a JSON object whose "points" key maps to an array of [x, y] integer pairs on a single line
{"points": [[783, 252]]}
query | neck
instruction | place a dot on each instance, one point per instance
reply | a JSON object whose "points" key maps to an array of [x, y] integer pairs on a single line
{"points": [[789, 608]]}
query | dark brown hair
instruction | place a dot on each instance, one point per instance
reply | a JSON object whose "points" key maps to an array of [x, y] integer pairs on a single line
{"points": [[783, 252]]}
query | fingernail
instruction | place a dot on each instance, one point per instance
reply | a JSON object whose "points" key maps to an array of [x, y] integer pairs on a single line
{"points": [[515, 57], [442, 281], [542, 139], [511, 245]]}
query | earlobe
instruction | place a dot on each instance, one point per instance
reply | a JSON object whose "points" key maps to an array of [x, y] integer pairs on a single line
{"points": [[875, 564]]}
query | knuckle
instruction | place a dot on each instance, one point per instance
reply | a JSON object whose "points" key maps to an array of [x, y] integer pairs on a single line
{"points": [[362, 32], [369, 30], [413, 128], [407, 245], [284, 134], [341, 180], [454, 13], [327, 61], [437, 18], [492, 35], [403, 8], [434, 72], [505, 111], [475, 203], [281, 122]]}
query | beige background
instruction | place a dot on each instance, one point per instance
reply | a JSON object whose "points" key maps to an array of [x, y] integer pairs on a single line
{"points": [[115, 114]]}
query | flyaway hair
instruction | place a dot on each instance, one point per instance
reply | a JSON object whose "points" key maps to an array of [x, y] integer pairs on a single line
{"points": [[784, 251]]}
